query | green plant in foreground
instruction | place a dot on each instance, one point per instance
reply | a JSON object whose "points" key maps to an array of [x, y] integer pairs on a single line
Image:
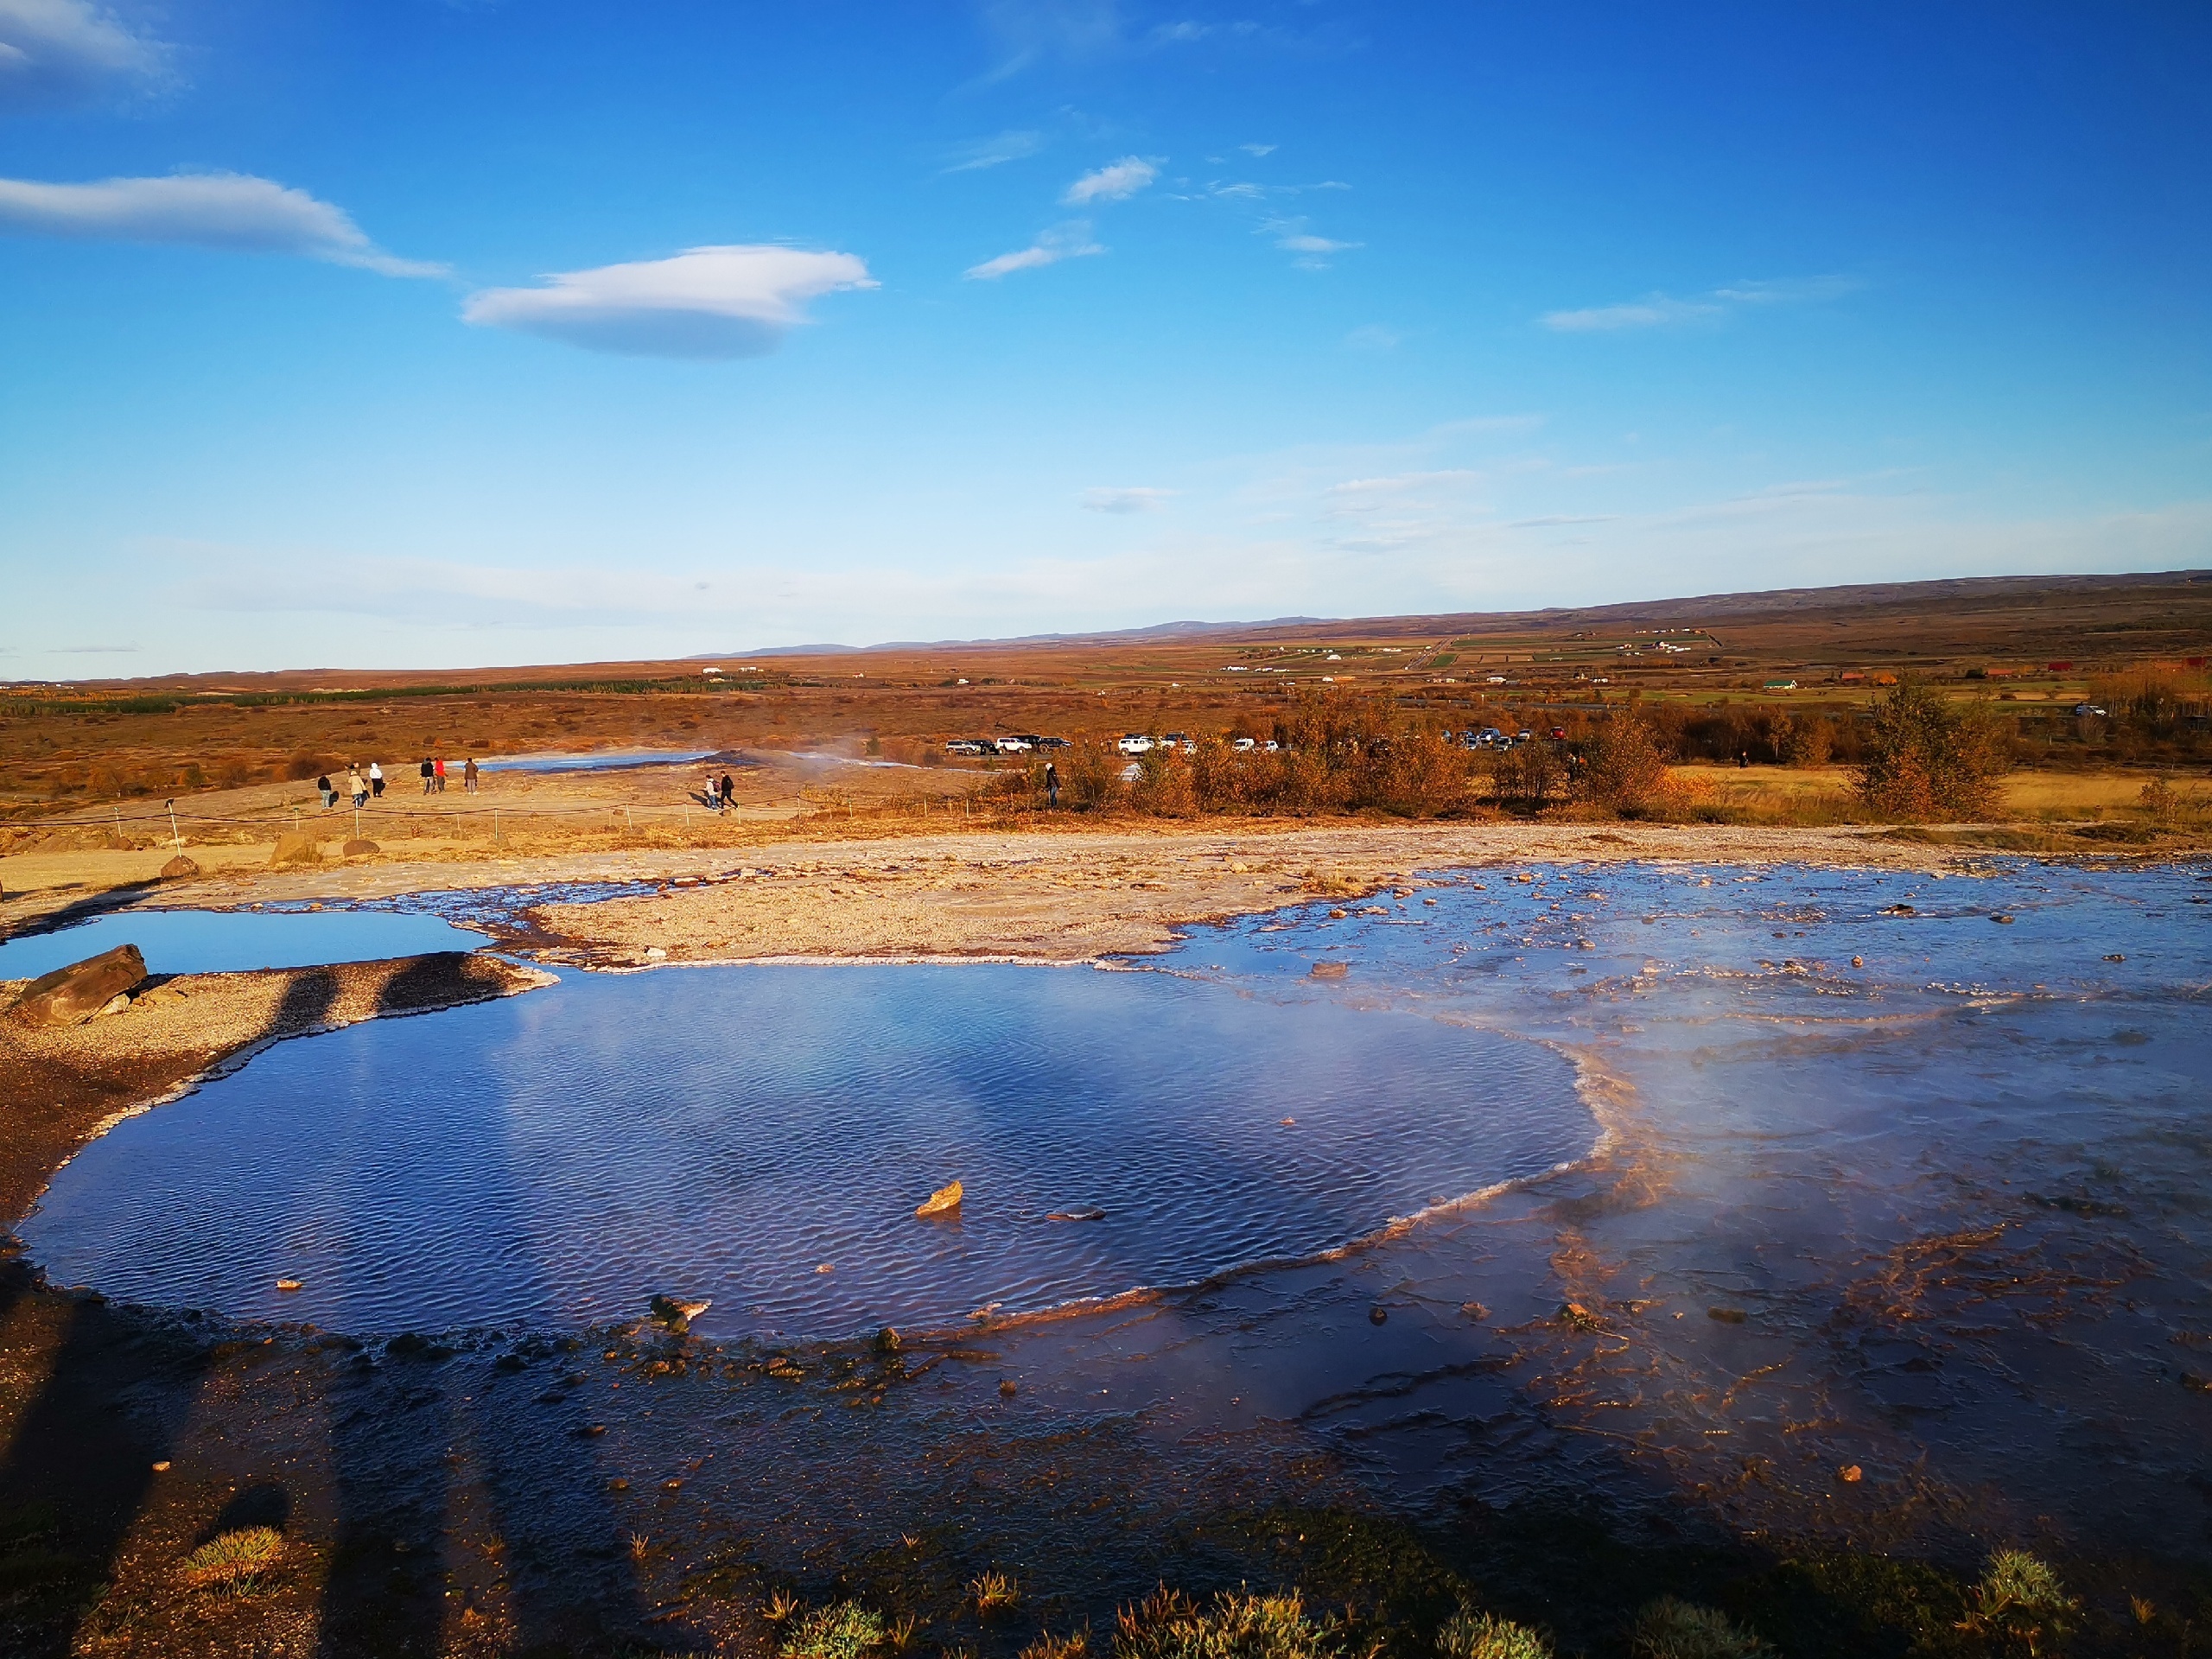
{"points": [[2020, 1596], [1168, 1624], [1470, 1634], [234, 1560], [844, 1629], [1668, 1629]]}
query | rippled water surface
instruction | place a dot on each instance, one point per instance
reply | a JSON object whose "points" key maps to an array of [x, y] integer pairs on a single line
{"points": [[1901, 1176], [214, 942], [762, 1135]]}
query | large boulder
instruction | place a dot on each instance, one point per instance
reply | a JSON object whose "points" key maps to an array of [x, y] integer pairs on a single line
{"points": [[296, 847], [358, 846], [179, 869], [71, 996]]}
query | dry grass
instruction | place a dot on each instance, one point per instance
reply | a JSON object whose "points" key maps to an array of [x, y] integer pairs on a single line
{"points": [[993, 1591], [234, 1562]]}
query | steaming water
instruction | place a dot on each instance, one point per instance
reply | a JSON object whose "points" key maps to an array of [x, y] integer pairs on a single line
{"points": [[762, 1135], [217, 942], [1956, 1191]]}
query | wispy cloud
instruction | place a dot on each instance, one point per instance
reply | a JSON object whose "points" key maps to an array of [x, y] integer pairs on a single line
{"points": [[737, 300], [1665, 311], [232, 211], [1258, 150], [58, 52], [995, 151], [1030, 31], [1116, 182], [1138, 498], [1314, 251], [1068, 241]]}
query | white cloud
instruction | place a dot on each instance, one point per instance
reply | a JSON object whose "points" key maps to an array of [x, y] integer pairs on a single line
{"points": [[1302, 243], [1138, 498], [1116, 182], [1256, 150], [1068, 241], [232, 211], [996, 152], [704, 303], [1664, 311], [55, 52]]}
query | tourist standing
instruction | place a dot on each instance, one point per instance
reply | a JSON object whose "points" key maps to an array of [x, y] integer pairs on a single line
{"points": [[356, 787], [441, 774], [1052, 784], [376, 780], [723, 793], [429, 775], [468, 776], [329, 795]]}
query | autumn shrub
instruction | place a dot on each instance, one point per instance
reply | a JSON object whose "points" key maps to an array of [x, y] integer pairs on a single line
{"points": [[1923, 757], [1419, 776], [1090, 775], [1623, 771], [1163, 787], [1530, 776]]}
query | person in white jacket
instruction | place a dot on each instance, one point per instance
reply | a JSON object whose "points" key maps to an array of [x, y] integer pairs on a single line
{"points": [[376, 780]]}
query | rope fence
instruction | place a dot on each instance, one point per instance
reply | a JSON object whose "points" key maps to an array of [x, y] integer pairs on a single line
{"points": [[631, 815]]}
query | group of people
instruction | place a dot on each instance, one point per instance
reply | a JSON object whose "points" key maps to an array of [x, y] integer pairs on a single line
{"points": [[434, 774], [721, 793], [365, 786]]}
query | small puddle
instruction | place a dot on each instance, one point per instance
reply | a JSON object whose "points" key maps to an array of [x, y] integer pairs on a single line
{"points": [[219, 942]]}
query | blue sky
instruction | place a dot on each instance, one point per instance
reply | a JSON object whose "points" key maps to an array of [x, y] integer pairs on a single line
{"points": [[423, 333]]}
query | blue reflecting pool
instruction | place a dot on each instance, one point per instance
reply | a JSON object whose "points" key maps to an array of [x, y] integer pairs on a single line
{"points": [[762, 1136], [211, 941]]}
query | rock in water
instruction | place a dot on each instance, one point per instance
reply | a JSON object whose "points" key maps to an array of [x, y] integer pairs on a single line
{"points": [[1077, 1215], [179, 869], [676, 1313], [943, 1202], [71, 996], [1331, 970], [296, 847], [358, 848]]}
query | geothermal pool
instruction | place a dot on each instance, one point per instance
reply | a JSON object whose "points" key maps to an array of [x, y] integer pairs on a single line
{"points": [[761, 1135], [1868, 1171]]}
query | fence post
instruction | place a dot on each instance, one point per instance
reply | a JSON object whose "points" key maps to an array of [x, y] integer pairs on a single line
{"points": [[173, 835]]}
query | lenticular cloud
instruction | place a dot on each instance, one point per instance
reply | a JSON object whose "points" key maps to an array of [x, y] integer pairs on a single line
{"points": [[704, 303]]}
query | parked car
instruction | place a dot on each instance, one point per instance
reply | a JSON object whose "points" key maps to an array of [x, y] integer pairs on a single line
{"points": [[2088, 709], [1176, 740], [1522, 737], [1135, 743], [970, 746], [1013, 746], [1244, 746], [1048, 743]]}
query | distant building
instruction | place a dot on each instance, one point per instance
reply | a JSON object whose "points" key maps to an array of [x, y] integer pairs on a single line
{"points": [[1782, 685]]}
